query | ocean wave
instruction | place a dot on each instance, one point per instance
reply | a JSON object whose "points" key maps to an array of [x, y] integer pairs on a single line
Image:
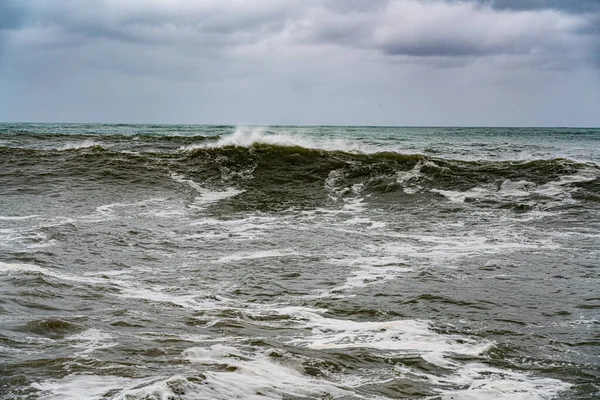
{"points": [[279, 171], [249, 137]]}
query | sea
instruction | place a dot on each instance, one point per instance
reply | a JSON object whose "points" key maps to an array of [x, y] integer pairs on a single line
{"points": [[179, 262]]}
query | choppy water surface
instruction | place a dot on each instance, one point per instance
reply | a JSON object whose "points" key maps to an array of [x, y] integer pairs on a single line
{"points": [[215, 262]]}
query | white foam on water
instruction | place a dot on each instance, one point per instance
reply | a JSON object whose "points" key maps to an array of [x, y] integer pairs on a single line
{"points": [[367, 222], [409, 337], [94, 387], [466, 381], [126, 289], [409, 179], [252, 222], [78, 387], [372, 270], [350, 208], [533, 215], [478, 381], [369, 275], [256, 376], [354, 205], [230, 372], [559, 187], [195, 338], [157, 294], [337, 192], [246, 228], [108, 273], [452, 195], [16, 267], [78, 145], [332, 184], [171, 388], [507, 190], [26, 238], [253, 379], [522, 189], [258, 254], [206, 196], [582, 321], [448, 248], [155, 207], [91, 340], [372, 261], [112, 207], [17, 218], [166, 213], [209, 236], [44, 242], [249, 136], [252, 375], [294, 312]]}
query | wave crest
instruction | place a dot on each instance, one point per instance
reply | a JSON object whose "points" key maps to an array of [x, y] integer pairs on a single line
{"points": [[248, 137]]}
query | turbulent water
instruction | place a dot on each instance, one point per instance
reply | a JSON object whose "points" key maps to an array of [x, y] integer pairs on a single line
{"points": [[220, 262]]}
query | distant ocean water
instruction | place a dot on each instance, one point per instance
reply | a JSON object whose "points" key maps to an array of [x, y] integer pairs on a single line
{"points": [[222, 262]]}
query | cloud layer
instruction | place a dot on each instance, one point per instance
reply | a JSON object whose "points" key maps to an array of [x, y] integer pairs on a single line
{"points": [[295, 48], [400, 27]]}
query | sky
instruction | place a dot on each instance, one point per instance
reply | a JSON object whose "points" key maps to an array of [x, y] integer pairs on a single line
{"points": [[304, 62]]}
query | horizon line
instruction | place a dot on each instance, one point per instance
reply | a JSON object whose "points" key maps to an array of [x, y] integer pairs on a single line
{"points": [[302, 125]]}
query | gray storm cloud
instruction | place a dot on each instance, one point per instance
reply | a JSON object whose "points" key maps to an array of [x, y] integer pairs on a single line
{"points": [[417, 28], [11, 18], [575, 6], [272, 51], [400, 27], [11, 14]]}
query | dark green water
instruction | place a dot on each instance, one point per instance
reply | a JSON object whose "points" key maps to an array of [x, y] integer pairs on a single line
{"points": [[215, 262]]}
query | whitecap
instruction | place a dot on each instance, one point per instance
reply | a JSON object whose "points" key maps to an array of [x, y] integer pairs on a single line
{"points": [[17, 218], [258, 254], [409, 337], [78, 145], [256, 376], [91, 340], [478, 381], [206, 196], [249, 136], [77, 387]]}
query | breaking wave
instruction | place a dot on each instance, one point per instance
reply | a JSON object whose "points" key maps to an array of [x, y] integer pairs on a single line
{"points": [[282, 171]]}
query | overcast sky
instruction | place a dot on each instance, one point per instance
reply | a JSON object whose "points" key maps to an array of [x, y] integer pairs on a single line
{"points": [[340, 62]]}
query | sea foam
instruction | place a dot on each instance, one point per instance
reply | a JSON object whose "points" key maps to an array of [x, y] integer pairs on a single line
{"points": [[249, 136]]}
